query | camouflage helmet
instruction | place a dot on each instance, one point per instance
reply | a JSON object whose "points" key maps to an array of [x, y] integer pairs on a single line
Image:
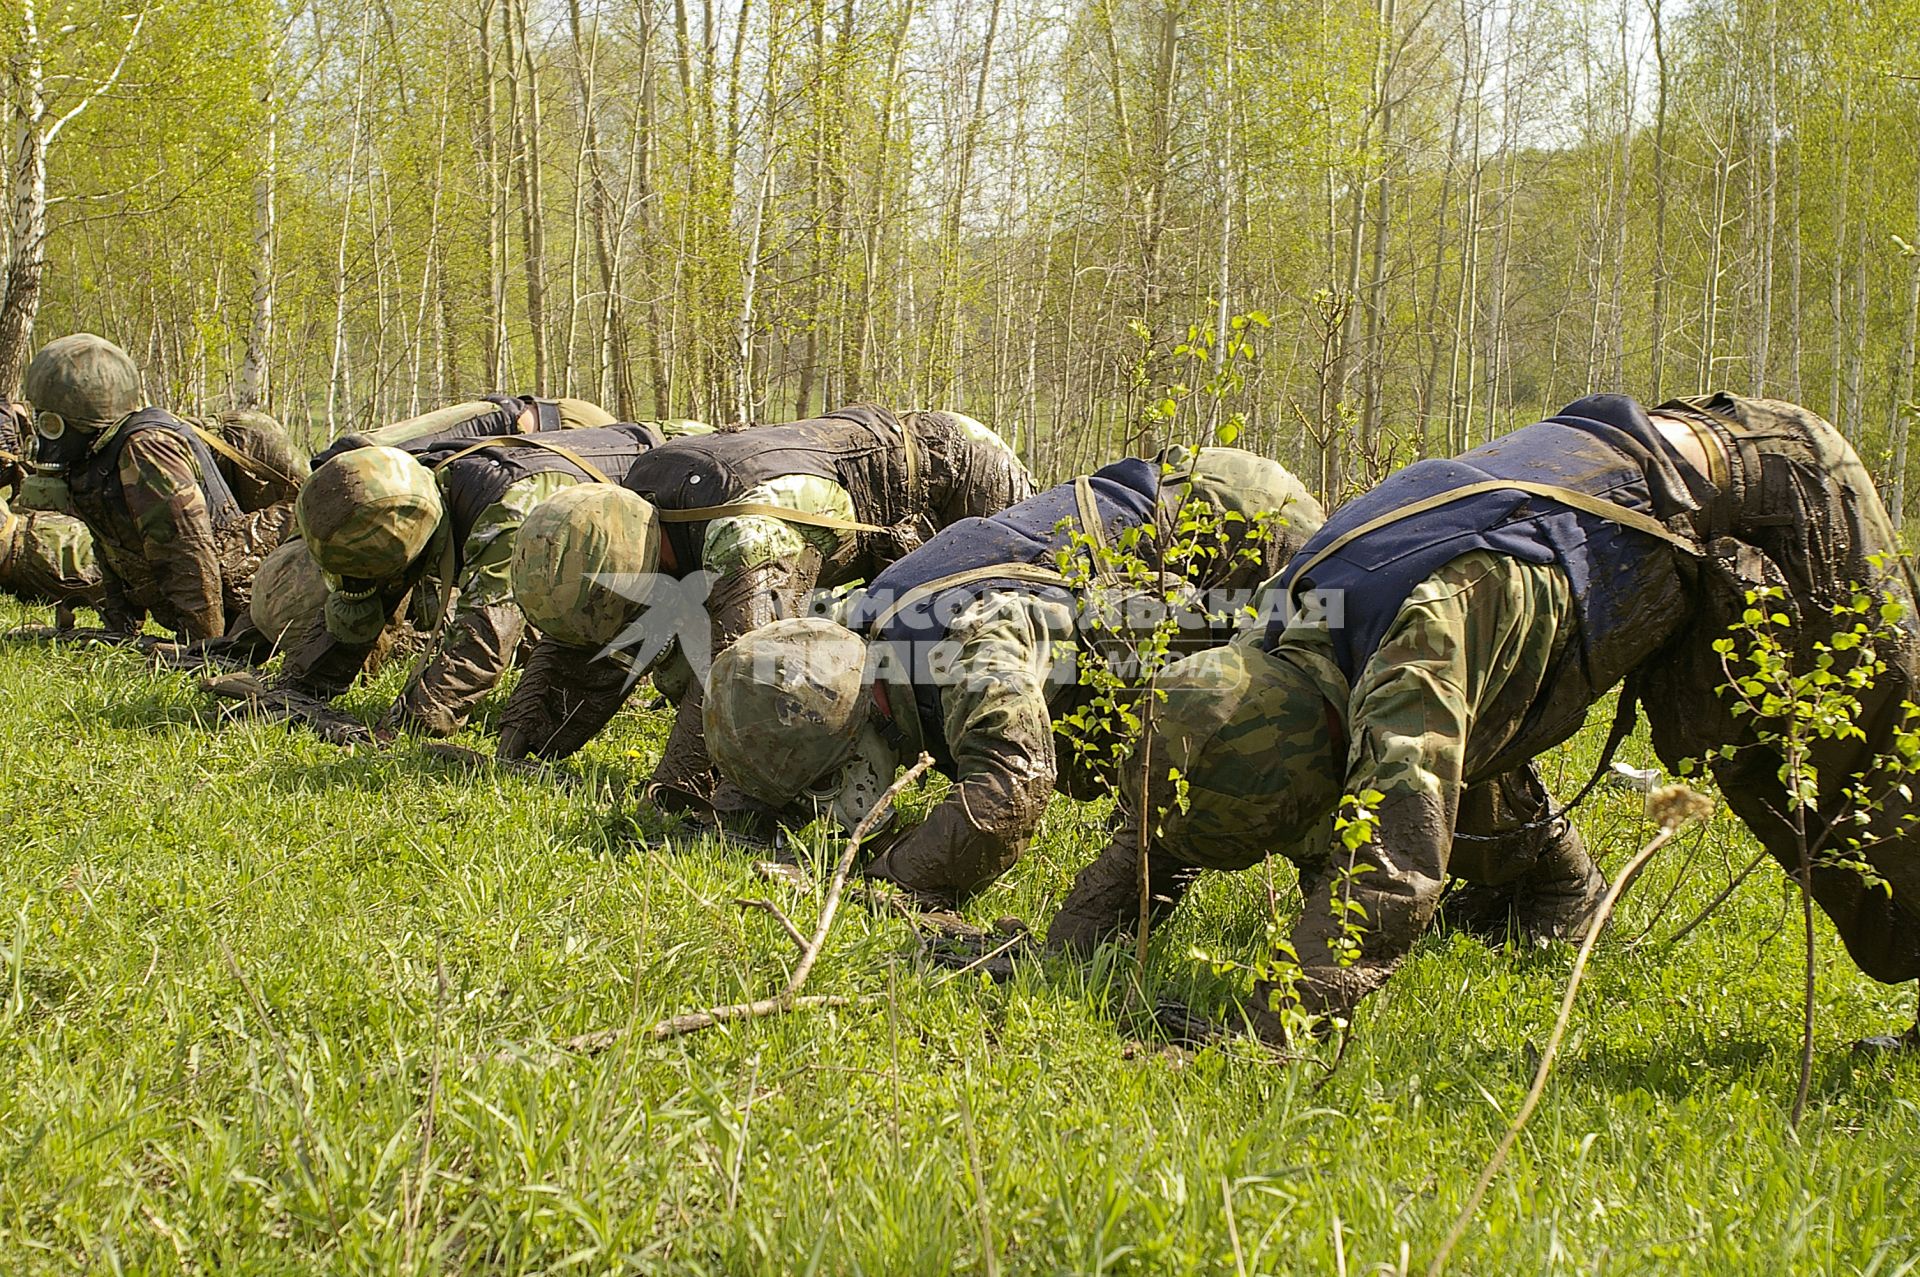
{"points": [[785, 706], [369, 513], [288, 592], [571, 556], [82, 381], [1249, 736]]}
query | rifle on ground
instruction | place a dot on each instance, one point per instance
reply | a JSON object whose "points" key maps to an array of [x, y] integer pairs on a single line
{"points": [[254, 698], [189, 658]]}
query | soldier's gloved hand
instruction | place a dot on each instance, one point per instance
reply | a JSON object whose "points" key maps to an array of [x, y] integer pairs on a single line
{"points": [[564, 698], [948, 856]]}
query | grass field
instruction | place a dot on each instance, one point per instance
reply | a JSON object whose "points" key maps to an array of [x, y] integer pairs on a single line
{"points": [[268, 1006]]}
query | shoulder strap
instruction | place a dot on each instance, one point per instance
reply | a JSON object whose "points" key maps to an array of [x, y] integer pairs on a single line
{"points": [[1600, 507], [912, 450], [1032, 573], [737, 509], [587, 467], [223, 508], [1090, 521], [546, 414], [251, 465]]}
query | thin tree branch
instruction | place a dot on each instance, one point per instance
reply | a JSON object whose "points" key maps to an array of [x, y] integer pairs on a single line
{"points": [[788, 999], [1539, 1087], [113, 78]]}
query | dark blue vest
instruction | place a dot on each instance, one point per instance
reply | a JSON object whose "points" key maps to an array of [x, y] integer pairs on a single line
{"points": [[1030, 533], [1602, 445]]}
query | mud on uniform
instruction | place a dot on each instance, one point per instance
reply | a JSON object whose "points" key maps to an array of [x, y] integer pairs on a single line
{"points": [[983, 691], [459, 584], [16, 428], [1476, 636], [904, 478], [47, 558], [171, 537]]}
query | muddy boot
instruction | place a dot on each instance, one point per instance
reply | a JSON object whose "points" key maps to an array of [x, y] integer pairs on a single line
{"points": [[1478, 910], [1105, 900], [1558, 897], [685, 779]]}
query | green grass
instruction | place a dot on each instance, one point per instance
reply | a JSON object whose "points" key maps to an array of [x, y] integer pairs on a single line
{"points": [[267, 1006]]}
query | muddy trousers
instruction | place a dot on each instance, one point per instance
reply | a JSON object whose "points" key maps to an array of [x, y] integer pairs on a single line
{"points": [[1802, 515], [1539, 873]]}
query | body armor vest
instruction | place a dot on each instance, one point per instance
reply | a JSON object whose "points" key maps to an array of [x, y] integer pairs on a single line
{"points": [[858, 448], [1602, 446], [475, 481], [1030, 534], [99, 498]]}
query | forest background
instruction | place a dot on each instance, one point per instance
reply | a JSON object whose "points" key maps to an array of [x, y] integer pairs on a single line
{"points": [[1456, 215]]}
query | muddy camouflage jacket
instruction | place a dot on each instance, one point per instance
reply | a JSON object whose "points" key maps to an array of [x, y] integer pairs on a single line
{"points": [[172, 539], [907, 476], [482, 418], [1008, 652], [47, 558], [488, 491]]}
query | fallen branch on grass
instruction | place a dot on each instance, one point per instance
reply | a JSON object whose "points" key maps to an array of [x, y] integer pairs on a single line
{"points": [[788, 999], [1674, 807]]}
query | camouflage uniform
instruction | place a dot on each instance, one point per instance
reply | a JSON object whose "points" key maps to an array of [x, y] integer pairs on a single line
{"points": [[982, 691], [16, 429], [488, 417], [255, 455], [47, 558], [172, 539], [458, 581], [904, 478], [1483, 665]]}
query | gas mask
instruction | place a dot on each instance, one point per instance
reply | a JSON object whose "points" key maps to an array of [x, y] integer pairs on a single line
{"points": [[355, 613], [848, 793]]}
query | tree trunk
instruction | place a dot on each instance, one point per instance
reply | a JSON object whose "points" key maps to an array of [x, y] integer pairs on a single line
{"points": [[254, 388], [494, 362], [27, 223], [524, 85], [1658, 350]]}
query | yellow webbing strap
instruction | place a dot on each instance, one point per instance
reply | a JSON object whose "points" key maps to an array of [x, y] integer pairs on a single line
{"points": [[1096, 529], [1597, 506], [530, 441], [912, 452], [1700, 419], [1030, 572], [738, 509], [1033, 573], [252, 465], [7, 528]]}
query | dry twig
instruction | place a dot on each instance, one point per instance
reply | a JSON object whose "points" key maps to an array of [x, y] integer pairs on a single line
{"points": [[788, 999], [1676, 807]]}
